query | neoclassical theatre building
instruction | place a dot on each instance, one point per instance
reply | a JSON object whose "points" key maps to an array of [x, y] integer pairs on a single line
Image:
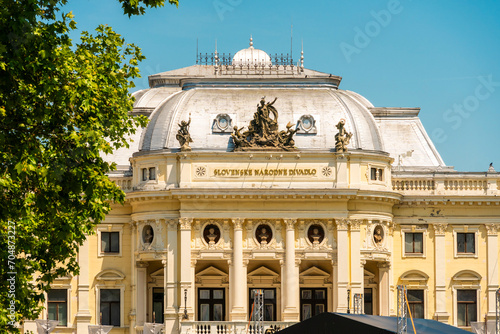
{"points": [[258, 173]]}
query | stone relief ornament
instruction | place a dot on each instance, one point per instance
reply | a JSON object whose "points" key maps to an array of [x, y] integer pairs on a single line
{"points": [[183, 135], [211, 235], [262, 133], [327, 171], [222, 124], [201, 171], [306, 124], [342, 138]]}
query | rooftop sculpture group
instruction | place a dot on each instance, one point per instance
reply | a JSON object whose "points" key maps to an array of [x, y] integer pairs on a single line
{"points": [[342, 138], [262, 133]]}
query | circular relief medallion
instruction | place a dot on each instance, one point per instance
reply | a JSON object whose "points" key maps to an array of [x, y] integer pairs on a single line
{"points": [[211, 234], [201, 171], [315, 234], [378, 235], [148, 234], [327, 171], [264, 234]]}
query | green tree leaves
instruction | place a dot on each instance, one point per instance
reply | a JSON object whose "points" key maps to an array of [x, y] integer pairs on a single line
{"points": [[61, 106]]}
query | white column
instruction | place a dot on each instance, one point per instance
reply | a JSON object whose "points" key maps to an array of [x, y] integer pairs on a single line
{"points": [[133, 279], [185, 265], [141, 290], [291, 312], [170, 276], [440, 271], [492, 256], [83, 316], [356, 272], [342, 264], [383, 274], [239, 302], [392, 288]]}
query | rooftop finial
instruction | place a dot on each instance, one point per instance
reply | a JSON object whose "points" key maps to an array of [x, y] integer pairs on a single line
{"points": [[302, 56], [251, 42]]}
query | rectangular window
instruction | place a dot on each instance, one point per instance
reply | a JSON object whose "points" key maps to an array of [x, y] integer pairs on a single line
{"points": [[466, 243], [416, 302], [269, 296], [414, 243], [313, 301], [212, 304], [376, 174], [152, 173], [110, 242], [110, 307], [57, 300], [466, 307], [144, 174]]}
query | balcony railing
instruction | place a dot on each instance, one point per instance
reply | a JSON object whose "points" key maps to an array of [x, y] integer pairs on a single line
{"points": [[229, 327], [125, 183], [467, 185]]}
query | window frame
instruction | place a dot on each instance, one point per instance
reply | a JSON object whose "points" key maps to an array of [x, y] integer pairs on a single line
{"points": [[414, 229], [109, 228], [66, 287], [121, 288], [382, 172], [465, 229], [424, 293], [456, 303]]}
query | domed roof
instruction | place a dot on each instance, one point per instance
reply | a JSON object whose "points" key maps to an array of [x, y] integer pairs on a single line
{"points": [[251, 56]]}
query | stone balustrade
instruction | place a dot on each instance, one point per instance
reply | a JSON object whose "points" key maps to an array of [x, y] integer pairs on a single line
{"points": [[125, 183], [228, 327], [466, 184]]}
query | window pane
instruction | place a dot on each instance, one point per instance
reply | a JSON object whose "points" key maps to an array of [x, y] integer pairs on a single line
{"points": [[461, 318], [144, 174], [408, 242], [415, 295], [471, 313], [418, 311], [52, 310], [218, 312], [204, 312], [158, 311], [306, 311], [152, 173], [461, 242], [319, 294], [204, 294], [373, 173], [115, 245], [62, 314], [268, 294], [105, 311], [110, 295], [105, 242], [306, 294], [59, 295], [218, 294], [466, 296], [115, 314], [418, 239], [268, 312], [470, 243]]}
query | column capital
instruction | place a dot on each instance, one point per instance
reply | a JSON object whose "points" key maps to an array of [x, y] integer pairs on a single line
{"points": [[355, 224], [384, 266], [185, 223], [164, 263], [171, 224], [238, 223], [492, 229], [440, 228], [193, 263], [342, 223], [290, 223], [142, 264]]}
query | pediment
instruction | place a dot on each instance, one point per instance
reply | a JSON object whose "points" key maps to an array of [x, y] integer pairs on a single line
{"points": [[158, 273], [263, 271], [414, 275], [369, 274], [314, 272], [110, 275], [467, 275], [211, 272]]}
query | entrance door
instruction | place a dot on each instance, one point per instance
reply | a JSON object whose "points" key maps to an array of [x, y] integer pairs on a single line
{"points": [[211, 304], [313, 301], [158, 305], [368, 301], [269, 304]]}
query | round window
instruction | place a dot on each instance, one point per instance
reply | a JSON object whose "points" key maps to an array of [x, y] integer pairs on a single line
{"points": [[223, 123]]}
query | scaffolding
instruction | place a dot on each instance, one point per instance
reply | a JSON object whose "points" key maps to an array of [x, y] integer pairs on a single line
{"points": [[358, 300], [497, 318], [258, 316], [402, 310]]}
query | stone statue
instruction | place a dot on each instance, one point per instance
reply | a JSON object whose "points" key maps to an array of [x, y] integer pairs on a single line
{"points": [[148, 234], [342, 138], [183, 135], [263, 132], [263, 236], [378, 236], [315, 236]]}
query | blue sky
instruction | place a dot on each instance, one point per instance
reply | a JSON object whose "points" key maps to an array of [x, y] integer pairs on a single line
{"points": [[442, 56]]}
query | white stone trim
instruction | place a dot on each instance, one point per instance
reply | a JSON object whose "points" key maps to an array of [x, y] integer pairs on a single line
{"points": [[465, 229], [109, 228], [98, 289], [414, 229]]}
